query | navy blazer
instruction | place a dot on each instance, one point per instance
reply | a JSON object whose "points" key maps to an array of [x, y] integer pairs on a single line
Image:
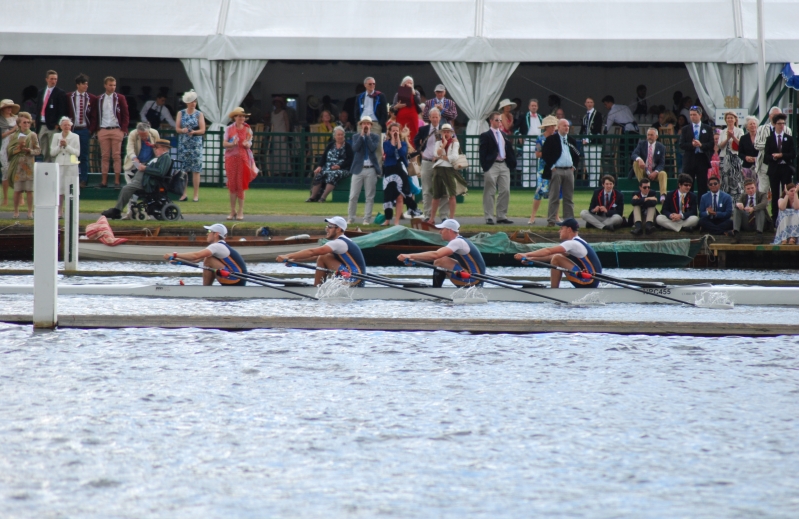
{"points": [[380, 107], [552, 150], [489, 151], [658, 158], [725, 206], [670, 205], [57, 107], [687, 137], [616, 202], [783, 166]]}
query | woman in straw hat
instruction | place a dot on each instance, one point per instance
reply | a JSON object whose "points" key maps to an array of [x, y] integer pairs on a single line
{"points": [[506, 108], [8, 125], [23, 146], [191, 128], [445, 177], [239, 162]]}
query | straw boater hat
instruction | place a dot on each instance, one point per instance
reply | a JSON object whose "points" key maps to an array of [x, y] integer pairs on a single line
{"points": [[549, 120], [446, 127], [506, 102], [8, 102], [365, 119], [189, 97], [163, 143], [237, 111]]}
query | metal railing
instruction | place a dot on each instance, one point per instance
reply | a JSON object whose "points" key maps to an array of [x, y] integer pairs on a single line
{"points": [[288, 159]]}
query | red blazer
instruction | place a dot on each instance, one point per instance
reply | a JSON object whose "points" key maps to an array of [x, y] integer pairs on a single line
{"points": [[120, 107], [72, 104]]}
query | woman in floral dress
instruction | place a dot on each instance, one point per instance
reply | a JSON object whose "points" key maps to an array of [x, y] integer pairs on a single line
{"points": [[191, 128]]}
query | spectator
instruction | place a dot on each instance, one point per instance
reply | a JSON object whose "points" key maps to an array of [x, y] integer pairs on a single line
{"points": [[749, 213], [191, 128], [788, 221], [344, 121], [365, 169], [28, 103], [682, 122], [80, 102], [665, 121], [109, 123], [407, 109], [732, 181], [8, 125], [23, 146], [506, 107], [349, 103], [64, 147], [560, 157], [139, 150], [696, 142], [498, 159], [325, 122], [529, 126], [649, 160], [780, 152], [747, 151], [373, 103], [677, 102], [278, 144], [51, 106], [715, 209], [334, 164], [251, 106], [592, 148], [679, 211], [606, 210], [396, 184], [312, 109], [619, 115], [330, 106], [447, 107], [554, 103], [644, 204], [154, 112], [147, 178], [685, 107], [425, 144], [763, 133], [640, 101], [548, 125], [323, 126], [560, 114], [445, 177], [239, 163]]}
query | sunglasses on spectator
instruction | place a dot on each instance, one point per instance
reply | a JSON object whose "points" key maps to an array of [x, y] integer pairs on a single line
{"points": [[644, 187]]}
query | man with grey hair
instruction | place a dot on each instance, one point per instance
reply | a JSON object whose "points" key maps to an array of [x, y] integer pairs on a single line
{"points": [[762, 135], [425, 144], [560, 157], [649, 159], [140, 150], [447, 107], [373, 103], [365, 169]]}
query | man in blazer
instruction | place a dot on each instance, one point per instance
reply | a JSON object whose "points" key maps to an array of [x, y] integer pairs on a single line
{"points": [[365, 169], [779, 153], [51, 106], [763, 133], [649, 160], [592, 149], [679, 210], [425, 144], [715, 209], [79, 103], [373, 103], [498, 159], [447, 107], [606, 210], [749, 213], [561, 158], [110, 118], [644, 204], [696, 142]]}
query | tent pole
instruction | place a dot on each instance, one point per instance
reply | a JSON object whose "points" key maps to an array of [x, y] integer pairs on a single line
{"points": [[761, 62]]}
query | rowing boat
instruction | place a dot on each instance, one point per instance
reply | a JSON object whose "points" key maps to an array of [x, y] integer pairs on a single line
{"points": [[690, 294]]}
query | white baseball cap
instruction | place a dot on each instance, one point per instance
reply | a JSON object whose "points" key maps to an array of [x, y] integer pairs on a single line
{"points": [[338, 221], [217, 227], [450, 224]]}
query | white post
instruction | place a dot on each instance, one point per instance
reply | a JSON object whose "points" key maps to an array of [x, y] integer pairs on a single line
{"points": [[71, 217], [761, 63], [45, 246]]}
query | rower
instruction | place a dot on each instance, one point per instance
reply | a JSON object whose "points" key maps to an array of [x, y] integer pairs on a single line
{"points": [[574, 254], [218, 255], [458, 254], [339, 253]]}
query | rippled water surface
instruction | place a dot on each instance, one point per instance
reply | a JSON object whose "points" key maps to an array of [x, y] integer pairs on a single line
{"points": [[285, 423]]}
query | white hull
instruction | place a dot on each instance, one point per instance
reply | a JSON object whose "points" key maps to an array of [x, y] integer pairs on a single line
{"points": [[738, 295], [102, 252]]}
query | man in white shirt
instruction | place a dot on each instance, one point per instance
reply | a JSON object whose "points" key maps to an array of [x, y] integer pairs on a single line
{"points": [[110, 122], [154, 112], [592, 125]]}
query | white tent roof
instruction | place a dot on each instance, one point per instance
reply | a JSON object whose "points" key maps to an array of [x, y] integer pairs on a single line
{"points": [[407, 30]]}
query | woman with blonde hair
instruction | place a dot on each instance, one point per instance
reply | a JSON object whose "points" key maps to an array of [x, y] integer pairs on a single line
{"points": [[239, 162], [23, 146], [732, 180]]}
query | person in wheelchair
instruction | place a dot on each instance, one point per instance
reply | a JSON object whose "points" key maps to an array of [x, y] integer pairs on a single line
{"points": [[148, 179]]}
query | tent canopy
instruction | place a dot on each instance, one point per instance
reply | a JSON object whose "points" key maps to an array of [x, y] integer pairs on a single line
{"points": [[721, 31]]}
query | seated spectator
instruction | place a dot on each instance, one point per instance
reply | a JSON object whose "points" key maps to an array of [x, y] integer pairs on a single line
{"points": [[344, 121], [146, 178], [447, 107], [649, 160], [334, 164], [788, 220], [680, 208], [715, 209], [644, 208], [749, 213], [154, 112], [607, 206], [665, 120], [560, 114]]}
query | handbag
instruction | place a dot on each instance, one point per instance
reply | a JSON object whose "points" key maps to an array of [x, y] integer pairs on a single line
{"points": [[460, 163], [414, 170]]}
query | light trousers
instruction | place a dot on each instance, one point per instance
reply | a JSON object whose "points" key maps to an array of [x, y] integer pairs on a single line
{"points": [[600, 221], [667, 223], [110, 146], [562, 181], [366, 180], [650, 214], [740, 220], [427, 192], [44, 142], [763, 182], [662, 177], [496, 182]]}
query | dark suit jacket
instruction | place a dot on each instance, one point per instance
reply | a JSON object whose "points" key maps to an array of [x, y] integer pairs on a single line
{"points": [[552, 150], [642, 199], [521, 122], [489, 151], [380, 107], [761, 200], [673, 199], [687, 136], [420, 141], [57, 107], [788, 154], [616, 202], [595, 126], [659, 157]]}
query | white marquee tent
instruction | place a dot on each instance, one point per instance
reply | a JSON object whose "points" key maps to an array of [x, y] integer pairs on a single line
{"points": [[474, 45]]}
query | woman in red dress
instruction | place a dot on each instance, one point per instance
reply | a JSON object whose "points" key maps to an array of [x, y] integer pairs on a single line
{"points": [[407, 110], [239, 162]]}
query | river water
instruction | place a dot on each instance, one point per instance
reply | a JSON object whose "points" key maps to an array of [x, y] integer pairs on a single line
{"points": [[289, 423]]}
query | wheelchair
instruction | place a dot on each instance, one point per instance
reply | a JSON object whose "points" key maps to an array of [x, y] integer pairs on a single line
{"points": [[157, 202]]}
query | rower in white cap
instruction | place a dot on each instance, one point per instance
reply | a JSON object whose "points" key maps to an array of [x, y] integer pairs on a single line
{"points": [[458, 254], [218, 256], [339, 253]]}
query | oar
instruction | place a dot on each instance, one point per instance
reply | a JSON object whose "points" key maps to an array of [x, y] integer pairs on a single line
{"points": [[466, 275], [606, 279], [225, 273], [366, 277]]}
